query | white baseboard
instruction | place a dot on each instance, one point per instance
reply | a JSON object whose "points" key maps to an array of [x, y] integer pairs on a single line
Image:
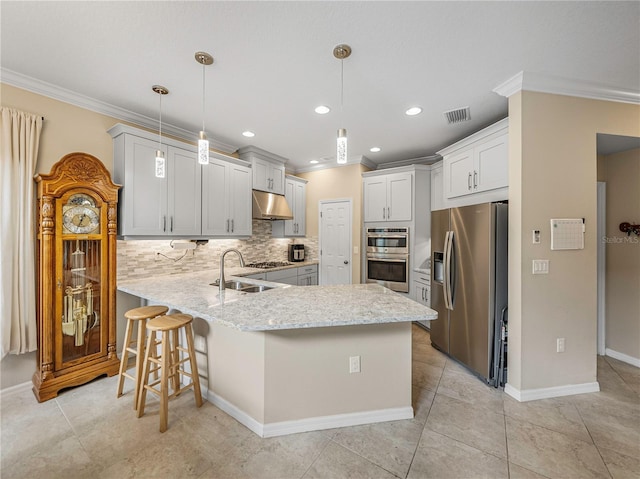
{"points": [[309, 424], [545, 393], [18, 388], [622, 357]]}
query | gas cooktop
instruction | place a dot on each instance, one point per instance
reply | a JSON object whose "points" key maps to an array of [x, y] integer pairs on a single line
{"points": [[267, 264]]}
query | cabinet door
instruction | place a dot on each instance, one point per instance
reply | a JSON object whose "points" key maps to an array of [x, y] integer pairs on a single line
{"points": [[399, 197], [421, 293], [261, 172], [300, 205], [308, 279], [240, 200], [458, 174], [290, 195], [491, 160], [215, 191], [184, 204], [437, 197], [144, 195], [375, 198], [277, 179]]}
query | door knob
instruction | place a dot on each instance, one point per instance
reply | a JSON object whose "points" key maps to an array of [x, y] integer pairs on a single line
{"points": [[346, 262]]}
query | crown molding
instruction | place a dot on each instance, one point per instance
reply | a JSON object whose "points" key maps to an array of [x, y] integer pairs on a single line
{"points": [[530, 81], [356, 160], [423, 160], [250, 151], [67, 96]]}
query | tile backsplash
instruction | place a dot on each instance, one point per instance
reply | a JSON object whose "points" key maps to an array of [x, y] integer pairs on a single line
{"points": [[144, 258]]}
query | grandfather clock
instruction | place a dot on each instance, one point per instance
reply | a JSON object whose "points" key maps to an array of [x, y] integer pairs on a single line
{"points": [[76, 274]]}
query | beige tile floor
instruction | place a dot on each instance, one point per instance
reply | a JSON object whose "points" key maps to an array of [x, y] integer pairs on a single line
{"points": [[461, 429]]}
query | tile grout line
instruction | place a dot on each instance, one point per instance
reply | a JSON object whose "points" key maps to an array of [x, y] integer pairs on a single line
{"points": [[426, 419]]}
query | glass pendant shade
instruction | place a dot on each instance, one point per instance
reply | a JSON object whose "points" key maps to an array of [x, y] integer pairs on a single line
{"points": [[341, 152], [203, 149], [160, 164]]}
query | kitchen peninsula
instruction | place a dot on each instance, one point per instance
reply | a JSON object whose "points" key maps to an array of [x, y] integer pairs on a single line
{"points": [[279, 361]]}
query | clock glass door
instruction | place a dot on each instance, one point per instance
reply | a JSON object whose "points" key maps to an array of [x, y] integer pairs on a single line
{"points": [[80, 318]]}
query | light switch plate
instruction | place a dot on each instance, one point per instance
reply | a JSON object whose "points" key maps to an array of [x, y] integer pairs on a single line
{"points": [[540, 266]]}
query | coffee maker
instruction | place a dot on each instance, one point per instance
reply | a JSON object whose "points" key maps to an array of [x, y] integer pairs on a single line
{"points": [[296, 252]]}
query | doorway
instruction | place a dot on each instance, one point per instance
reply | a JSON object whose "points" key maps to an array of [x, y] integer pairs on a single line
{"points": [[335, 241], [602, 231]]}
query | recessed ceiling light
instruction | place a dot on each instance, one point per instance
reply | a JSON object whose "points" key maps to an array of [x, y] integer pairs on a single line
{"points": [[375, 149], [414, 110], [248, 134], [313, 162], [322, 110]]}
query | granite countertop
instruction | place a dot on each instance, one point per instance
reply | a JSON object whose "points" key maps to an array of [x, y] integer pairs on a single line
{"points": [[283, 307]]}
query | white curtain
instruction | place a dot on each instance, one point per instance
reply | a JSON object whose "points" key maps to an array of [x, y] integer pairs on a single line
{"points": [[19, 139]]}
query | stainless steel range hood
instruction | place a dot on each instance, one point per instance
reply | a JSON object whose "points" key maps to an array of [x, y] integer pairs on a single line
{"points": [[269, 206]]}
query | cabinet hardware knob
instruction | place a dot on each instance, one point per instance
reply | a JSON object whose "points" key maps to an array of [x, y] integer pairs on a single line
{"points": [[346, 261]]}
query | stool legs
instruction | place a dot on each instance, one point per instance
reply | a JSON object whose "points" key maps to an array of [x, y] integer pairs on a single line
{"points": [[124, 358], [169, 363], [195, 377]]}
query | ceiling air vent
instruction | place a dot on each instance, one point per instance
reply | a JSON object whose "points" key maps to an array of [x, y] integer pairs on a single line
{"points": [[458, 115]]}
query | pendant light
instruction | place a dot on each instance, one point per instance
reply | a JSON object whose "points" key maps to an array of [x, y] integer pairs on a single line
{"points": [[341, 52], [203, 144], [160, 160]]}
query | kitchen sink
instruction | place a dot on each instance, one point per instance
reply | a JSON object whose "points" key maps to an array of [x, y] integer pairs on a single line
{"points": [[243, 287]]}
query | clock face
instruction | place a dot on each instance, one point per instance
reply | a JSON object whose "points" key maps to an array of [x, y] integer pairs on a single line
{"points": [[80, 219]]}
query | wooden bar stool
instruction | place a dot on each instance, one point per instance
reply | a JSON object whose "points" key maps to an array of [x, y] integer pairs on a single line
{"points": [[169, 363], [140, 315]]}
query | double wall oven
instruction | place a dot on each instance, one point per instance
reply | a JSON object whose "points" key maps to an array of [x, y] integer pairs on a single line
{"points": [[388, 258]]}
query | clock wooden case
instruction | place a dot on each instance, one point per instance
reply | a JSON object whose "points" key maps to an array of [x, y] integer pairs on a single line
{"points": [[76, 275]]}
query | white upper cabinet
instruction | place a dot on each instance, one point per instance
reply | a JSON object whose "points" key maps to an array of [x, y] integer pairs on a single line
{"points": [[268, 169], [268, 176], [388, 197], [184, 200], [175, 205], [226, 199], [478, 163], [295, 192], [437, 202], [152, 206]]}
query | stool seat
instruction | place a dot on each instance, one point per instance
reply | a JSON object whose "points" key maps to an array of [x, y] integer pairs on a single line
{"points": [[168, 323], [141, 314], [145, 312], [169, 362]]}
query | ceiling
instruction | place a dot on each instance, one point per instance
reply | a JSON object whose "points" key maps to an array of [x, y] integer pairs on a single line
{"points": [[274, 64]]}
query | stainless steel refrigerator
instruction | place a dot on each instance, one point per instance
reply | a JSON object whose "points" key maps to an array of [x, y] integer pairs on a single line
{"points": [[469, 286]]}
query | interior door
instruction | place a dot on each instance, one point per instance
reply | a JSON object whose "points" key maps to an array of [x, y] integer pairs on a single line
{"points": [[335, 242]]}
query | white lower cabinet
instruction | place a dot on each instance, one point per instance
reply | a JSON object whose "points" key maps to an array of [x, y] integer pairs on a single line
{"points": [[422, 289], [308, 275], [301, 276]]}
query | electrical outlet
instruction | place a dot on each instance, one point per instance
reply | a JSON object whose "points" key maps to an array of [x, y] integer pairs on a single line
{"points": [[560, 345], [354, 364]]}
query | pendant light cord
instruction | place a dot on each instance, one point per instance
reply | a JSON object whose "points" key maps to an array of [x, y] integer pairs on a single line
{"points": [[341, 84], [160, 135], [203, 98]]}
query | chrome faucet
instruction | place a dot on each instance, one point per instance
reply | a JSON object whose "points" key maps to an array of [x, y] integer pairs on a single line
{"points": [[230, 250]]}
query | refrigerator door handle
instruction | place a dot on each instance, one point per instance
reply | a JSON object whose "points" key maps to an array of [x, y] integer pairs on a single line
{"points": [[447, 271], [445, 280]]}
